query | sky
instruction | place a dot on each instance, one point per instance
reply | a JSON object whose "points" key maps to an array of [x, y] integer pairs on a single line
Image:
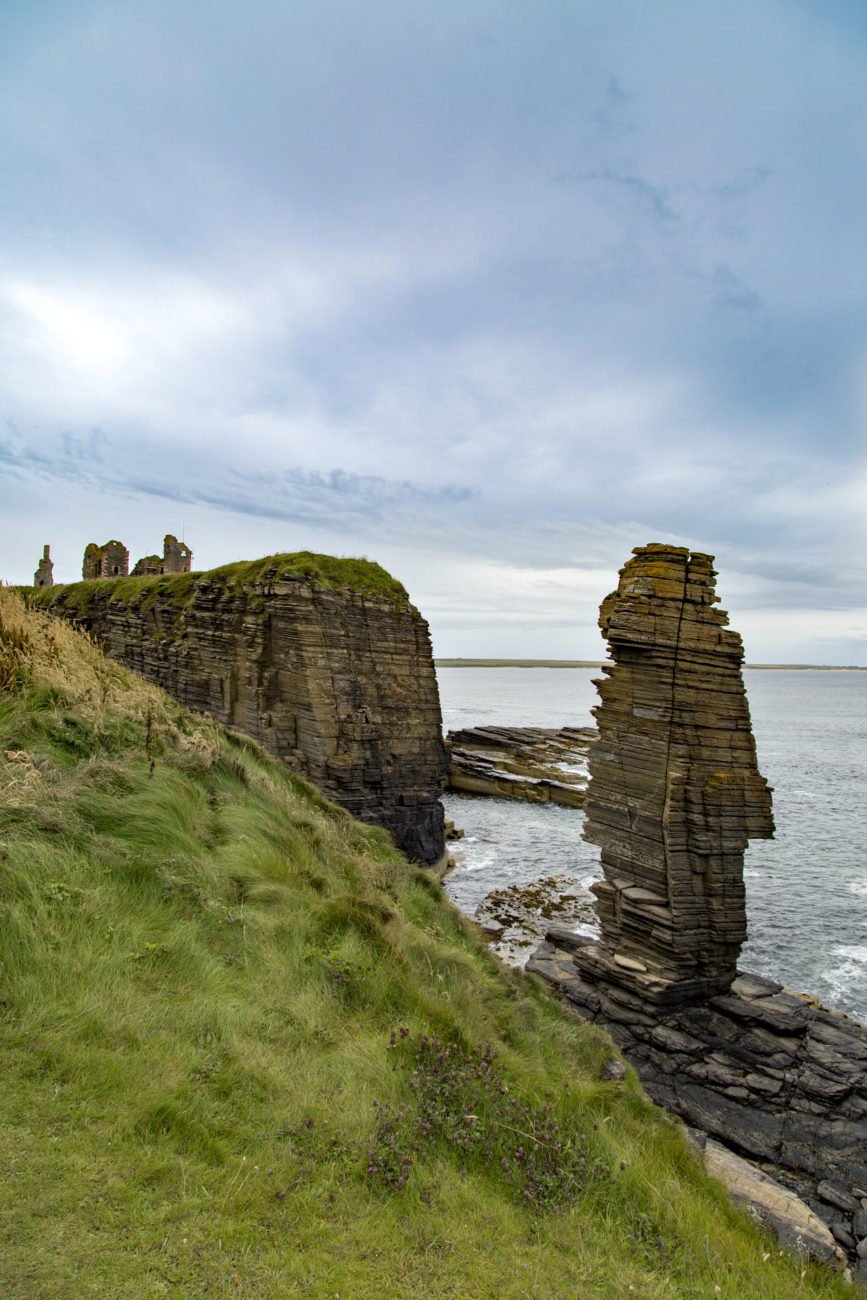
{"points": [[489, 292]]}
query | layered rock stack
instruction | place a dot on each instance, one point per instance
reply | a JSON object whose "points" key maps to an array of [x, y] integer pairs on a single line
{"points": [[675, 792], [674, 795]]}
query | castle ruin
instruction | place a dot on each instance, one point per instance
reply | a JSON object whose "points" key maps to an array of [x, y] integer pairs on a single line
{"points": [[111, 560], [44, 575], [176, 558]]}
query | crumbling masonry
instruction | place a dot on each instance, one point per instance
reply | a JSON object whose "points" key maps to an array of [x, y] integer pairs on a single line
{"points": [[111, 560], [44, 575]]}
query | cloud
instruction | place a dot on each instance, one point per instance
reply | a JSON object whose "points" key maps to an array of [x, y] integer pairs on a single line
{"points": [[542, 283], [648, 197]]}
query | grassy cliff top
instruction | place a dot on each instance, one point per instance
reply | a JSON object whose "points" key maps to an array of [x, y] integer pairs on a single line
{"points": [[329, 572], [247, 1050]]}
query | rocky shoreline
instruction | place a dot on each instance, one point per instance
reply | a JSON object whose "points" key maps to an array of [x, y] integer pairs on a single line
{"points": [[772, 1075], [537, 764]]}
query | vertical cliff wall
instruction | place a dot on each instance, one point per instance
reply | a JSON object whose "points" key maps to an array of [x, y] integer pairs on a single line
{"points": [[324, 661], [675, 792]]}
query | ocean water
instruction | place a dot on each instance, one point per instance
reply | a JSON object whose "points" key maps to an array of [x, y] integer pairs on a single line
{"points": [[806, 888]]}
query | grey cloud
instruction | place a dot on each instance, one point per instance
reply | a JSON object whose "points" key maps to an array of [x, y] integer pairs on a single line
{"points": [[653, 197], [744, 183], [542, 280], [730, 291], [337, 497]]}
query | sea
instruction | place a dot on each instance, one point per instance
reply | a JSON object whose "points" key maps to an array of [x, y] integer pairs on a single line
{"points": [[806, 888]]}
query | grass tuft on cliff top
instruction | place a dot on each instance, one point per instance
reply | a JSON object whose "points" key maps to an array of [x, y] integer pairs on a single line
{"points": [[247, 1050], [331, 573]]}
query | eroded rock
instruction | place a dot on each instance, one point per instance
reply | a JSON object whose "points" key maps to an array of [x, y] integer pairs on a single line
{"points": [[675, 792], [536, 764], [674, 796]]}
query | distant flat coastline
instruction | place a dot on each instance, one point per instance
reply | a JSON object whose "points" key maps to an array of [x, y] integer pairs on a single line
{"points": [[598, 663], [518, 663]]}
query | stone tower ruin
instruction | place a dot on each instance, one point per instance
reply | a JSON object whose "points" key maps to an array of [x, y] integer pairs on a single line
{"points": [[111, 560], [44, 575], [675, 792]]}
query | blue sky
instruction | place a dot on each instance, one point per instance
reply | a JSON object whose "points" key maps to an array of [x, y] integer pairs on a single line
{"points": [[489, 292]]}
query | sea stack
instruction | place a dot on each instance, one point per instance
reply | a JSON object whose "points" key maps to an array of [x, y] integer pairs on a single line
{"points": [[675, 792]]}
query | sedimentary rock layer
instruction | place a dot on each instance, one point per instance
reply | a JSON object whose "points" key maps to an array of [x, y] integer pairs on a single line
{"points": [[536, 764], [675, 792], [336, 677]]}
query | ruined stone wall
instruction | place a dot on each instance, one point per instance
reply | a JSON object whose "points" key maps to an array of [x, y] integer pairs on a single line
{"points": [[339, 683], [177, 556], [111, 560]]}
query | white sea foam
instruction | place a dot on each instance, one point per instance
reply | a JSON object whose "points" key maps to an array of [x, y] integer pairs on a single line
{"points": [[858, 887], [479, 861], [854, 952], [850, 972]]}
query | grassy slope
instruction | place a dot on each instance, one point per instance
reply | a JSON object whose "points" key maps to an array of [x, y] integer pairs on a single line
{"points": [[203, 963]]}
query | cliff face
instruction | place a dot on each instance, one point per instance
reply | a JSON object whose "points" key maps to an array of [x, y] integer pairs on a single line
{"points": [[332, 671], [674, 791]]}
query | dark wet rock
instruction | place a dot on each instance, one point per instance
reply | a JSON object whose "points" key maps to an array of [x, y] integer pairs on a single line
{"points": [[567, 939], [836, 1196], [760, 1084], [522, 913], [859, 1220], [613, 1069], [536, 764]]}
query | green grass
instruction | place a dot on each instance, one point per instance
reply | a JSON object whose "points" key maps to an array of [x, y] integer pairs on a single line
{"points": [[361, 576], [227, 1011]]}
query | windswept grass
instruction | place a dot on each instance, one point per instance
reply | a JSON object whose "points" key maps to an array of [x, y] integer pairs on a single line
{"points": [[246, 1050]]}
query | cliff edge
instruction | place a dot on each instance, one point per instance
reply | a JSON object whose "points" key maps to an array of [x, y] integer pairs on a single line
{"points": [[324, 661]]}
